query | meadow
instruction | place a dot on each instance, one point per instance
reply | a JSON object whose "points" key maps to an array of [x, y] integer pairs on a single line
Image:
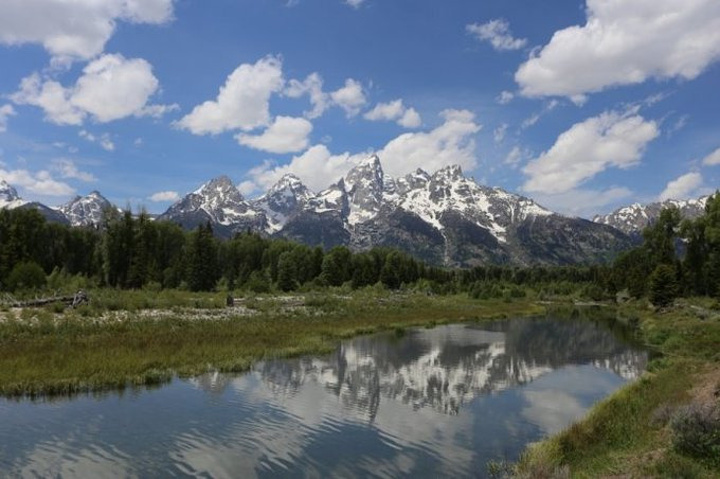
{"points": [[134, 338], [140, 338]]}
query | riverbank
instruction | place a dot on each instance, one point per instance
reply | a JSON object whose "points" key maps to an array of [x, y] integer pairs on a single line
{"points": [[138, 339], [642, 430], [125, 339]]}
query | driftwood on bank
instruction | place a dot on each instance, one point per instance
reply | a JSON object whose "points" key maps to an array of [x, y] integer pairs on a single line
{"points": [[73, 301]]}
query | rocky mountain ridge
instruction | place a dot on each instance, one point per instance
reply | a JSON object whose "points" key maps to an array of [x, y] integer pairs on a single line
{"points": [[86, 210], [9, 199], [444, 218], [633, 219]]}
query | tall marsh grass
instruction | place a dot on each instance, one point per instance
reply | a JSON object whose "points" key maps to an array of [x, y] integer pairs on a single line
{"points": [[126, 338]]}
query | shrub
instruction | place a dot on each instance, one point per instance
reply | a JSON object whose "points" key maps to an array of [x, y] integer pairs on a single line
{"points": [[662, 415], [696, 431], [594, 292], [258, 283], [26, 276], [153, 287]]}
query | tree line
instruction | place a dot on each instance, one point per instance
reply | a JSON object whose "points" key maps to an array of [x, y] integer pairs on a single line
{"points": [[677, 258], [129, 251]]}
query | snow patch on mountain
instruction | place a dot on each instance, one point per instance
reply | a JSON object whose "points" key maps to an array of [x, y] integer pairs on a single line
{"points": [[86, 210], [635, 218], [332, 199], [430, 197], [9, 197], [284, 199], [222, 202], [365, 186]]}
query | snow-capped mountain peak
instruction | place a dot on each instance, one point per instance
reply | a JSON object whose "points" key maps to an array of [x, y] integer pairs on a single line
{"points": [[418, 179], [219, 202], [368, 173], [289, 182], [334, 198], [449, 173], [9, 197], [220, 187], [635, 218], [86, 210], [443, 217], [365, 186], [286, 197]]}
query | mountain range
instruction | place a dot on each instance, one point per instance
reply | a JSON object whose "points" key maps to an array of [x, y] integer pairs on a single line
{"points": [[444, 218], [633, 219]]}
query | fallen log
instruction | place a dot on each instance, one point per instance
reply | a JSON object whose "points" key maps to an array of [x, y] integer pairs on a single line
{"points": [[73, 301]]}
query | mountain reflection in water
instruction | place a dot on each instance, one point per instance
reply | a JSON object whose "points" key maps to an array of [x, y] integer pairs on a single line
{"points": [[446, 367], [430, 402]]}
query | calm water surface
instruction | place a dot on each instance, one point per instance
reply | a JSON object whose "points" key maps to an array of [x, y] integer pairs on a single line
{"points": [[433, 402]]}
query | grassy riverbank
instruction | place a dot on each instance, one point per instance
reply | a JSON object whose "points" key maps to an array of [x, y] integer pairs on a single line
{"points": [[138, 338], [640, 431]]}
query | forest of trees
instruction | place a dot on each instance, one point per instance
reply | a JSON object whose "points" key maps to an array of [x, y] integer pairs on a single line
{"points": [[677, 258], [132, 252]]}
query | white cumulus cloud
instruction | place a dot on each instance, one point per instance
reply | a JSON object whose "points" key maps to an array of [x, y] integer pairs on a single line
{"points": [[164, 196], [242, 103], [110, 88], [712, 159], [41, 182], [497, 33], [500, 132], [313, 87], [74, 29], [157, 111], [68, 169], [52, 97], [588, 148], [395, 111], [350, 97], [682, 187], [505, 97], [450, 143], [410, 119], [285, 135], [6, 111], [103, 140], [625, 42], [317, 167], [515, 156]]}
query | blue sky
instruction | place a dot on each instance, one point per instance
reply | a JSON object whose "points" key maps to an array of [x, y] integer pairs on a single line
{"points": [[584, 105]]}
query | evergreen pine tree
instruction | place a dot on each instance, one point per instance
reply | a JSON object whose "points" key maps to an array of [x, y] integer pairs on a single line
{"points": [[390, 274], [663, 285], [287, 272], [336, 266], [202, 273]]}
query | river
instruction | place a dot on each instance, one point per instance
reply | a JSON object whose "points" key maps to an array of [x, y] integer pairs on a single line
{"points": [[438, 402]]}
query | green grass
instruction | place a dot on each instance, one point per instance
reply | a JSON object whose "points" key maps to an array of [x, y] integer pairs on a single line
{"points": [[117, 342], [622, 435]]}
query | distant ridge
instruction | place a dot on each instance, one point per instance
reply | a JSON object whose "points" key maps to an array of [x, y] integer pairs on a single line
{"points": [[444, 218], [633, 219]]}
